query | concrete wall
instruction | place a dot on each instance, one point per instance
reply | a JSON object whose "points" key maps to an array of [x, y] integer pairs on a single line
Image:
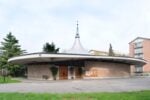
{"points": [[131, 54], [38, 71], [93, 69], [104, 69]]}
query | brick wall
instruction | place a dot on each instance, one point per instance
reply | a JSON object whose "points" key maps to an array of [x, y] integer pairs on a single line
{"points": [[146, 55], [146, 51], [106, 69]]}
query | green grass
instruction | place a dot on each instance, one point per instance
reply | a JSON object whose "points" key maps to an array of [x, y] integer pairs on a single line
{"points": [[139, 95], [8, 80]]}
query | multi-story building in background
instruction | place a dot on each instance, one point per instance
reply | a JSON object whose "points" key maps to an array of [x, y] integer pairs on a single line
{"points": [[98, 52], [140, 48], [104, 53]]}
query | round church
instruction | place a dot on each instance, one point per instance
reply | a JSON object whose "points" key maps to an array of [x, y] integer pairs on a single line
{"points": [[75, 63]]}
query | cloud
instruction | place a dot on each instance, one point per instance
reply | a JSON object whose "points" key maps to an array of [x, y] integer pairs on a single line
{"points": [[100, 22]]}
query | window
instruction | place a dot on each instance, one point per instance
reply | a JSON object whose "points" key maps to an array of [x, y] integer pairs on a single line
{"points": [[138, 51], [138, 69], [139, 56], [138, 48], [138, 45]]}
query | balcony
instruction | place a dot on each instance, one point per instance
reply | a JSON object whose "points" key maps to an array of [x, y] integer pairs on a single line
{"points": [[138, 45]]}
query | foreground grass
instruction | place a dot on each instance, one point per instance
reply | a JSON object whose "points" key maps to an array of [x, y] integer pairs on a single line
{"points": [[8, 80], [140, 95]]}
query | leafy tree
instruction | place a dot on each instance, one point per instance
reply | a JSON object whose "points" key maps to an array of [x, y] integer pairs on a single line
{"points": [[54, 71], [10, 48], [111, 52], [50, 48]]}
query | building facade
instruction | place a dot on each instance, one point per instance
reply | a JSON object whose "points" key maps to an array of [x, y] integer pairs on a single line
{"points": [[104, 53], [90, 70], [75, 66], [97, 52], [140, 48], [75, 63]]}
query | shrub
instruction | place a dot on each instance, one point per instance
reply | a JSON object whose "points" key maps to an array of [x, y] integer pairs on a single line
{"points": [[54, 71]]}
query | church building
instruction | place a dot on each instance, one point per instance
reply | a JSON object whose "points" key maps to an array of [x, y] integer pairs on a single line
{"points": [[75, 63]]}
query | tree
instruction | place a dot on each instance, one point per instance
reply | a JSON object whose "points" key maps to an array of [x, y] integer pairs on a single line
{"points": [[10, 48], [111, 52], [50, 48], [54, 71]]}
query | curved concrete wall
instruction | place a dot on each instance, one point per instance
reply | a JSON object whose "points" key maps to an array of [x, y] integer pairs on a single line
{"points": [[39, 71], [95, 69]]}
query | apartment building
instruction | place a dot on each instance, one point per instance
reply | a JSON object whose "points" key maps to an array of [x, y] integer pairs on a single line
{"points": [[140, 48]]}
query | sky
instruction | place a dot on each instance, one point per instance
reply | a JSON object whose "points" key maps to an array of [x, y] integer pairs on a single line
{"points": [[101, 22]]}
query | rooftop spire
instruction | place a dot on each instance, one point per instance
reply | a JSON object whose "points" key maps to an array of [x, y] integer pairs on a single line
{"points": [[77, 48], [77, 31]]}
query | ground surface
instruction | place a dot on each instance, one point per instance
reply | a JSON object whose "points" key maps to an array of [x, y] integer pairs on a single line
{"points": [[138, 95], [70, 86]]}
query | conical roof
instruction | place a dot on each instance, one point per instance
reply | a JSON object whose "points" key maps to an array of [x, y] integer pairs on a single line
{"points": [[77, 47]]}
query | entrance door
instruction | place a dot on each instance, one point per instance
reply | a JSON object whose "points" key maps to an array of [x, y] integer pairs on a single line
{"points": [[63, 72], [78, 72]]}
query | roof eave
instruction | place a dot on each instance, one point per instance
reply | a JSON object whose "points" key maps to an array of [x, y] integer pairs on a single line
{"points": [[58, 57]]}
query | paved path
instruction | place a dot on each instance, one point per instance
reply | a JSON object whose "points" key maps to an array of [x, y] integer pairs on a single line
{"points": [[100, 85]]}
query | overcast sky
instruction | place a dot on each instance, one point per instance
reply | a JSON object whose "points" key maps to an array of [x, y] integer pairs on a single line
{"points": [[34, 22]]}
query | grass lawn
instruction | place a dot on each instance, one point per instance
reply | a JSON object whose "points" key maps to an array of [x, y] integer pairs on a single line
{"points": [[139, 95], [8, 80]]}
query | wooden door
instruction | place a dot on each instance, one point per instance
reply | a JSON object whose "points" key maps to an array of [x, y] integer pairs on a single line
{"points": [[78, 72], [63, 72]]}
